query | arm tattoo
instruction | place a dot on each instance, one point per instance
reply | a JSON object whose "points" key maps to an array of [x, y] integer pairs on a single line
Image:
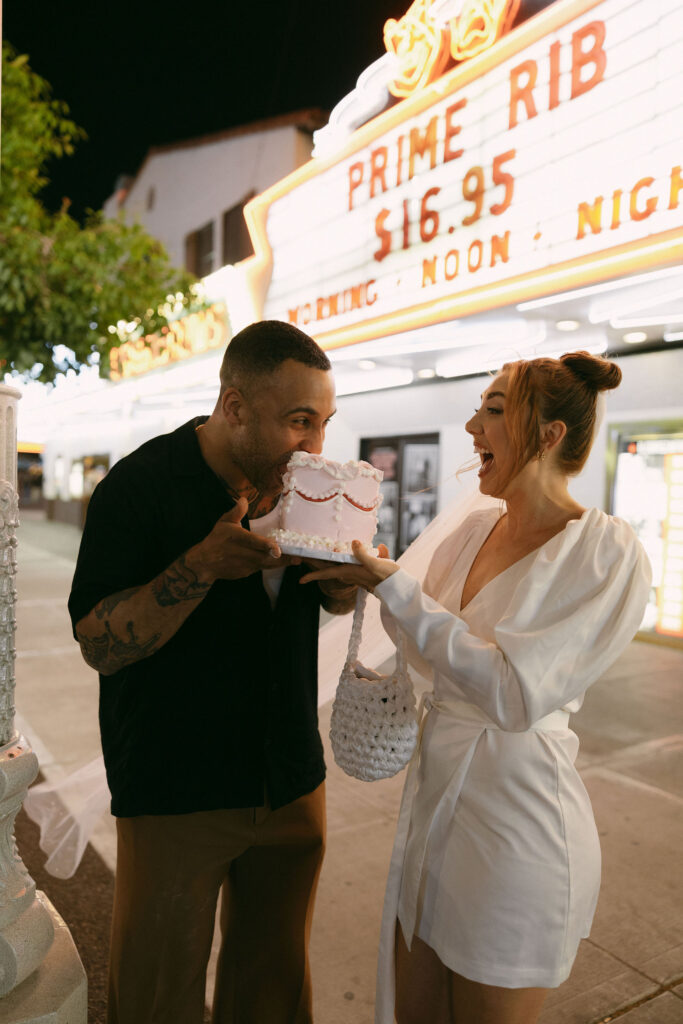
{"points": [[178, 583], [123, 651], [108, 604], [109, 651], [95, 648], [119, 645]]}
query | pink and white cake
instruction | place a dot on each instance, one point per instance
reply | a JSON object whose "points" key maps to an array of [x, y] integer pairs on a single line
{"points": [[324, 506]]}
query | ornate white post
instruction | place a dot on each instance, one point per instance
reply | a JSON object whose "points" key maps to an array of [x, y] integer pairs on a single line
{"points": [[35, 945]]}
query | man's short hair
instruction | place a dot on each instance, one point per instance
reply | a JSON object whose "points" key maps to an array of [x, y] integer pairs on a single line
{"points": [[259, 349]]}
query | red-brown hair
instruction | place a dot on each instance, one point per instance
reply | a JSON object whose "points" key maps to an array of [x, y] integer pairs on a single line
{"points": [[542, 390]]}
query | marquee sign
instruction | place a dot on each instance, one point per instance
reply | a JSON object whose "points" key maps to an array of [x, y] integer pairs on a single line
{"points": [[188, 336], [550, 160]]}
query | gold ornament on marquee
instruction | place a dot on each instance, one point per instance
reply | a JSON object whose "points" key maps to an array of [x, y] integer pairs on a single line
{"points": [[479, 24], [424, 47], [421, 46]]}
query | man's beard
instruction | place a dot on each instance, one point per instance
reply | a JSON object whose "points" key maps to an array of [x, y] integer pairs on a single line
{"points": [[262, 472]]}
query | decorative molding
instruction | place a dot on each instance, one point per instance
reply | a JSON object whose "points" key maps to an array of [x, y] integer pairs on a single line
{"points": [[18, 769], [9, 521]]}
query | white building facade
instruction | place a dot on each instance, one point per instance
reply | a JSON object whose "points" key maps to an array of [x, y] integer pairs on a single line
{"points": [[189, 187]]}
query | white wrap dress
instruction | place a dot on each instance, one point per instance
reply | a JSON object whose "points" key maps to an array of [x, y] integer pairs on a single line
{"points": [[496, 862]]}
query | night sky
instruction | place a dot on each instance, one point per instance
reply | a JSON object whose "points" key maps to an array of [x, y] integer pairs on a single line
{"points": [[145, 73], [140, 73]]}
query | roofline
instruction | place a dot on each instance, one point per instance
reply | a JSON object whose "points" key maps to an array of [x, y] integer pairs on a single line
{"points": [[308, 120]]}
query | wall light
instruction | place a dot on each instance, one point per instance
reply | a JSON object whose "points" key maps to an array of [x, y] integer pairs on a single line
{"points": [[567, 325], [426, 373], [366, 364], [673, 335], [635, 337]]}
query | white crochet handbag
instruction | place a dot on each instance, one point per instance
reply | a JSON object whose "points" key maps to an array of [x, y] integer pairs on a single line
{"points": [[374, 721]]}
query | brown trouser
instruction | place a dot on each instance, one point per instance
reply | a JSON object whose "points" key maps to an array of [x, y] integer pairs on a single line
{"points": [[170, 871]]}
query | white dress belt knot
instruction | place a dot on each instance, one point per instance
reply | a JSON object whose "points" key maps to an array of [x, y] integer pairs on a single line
{"points": [[472, 714]]}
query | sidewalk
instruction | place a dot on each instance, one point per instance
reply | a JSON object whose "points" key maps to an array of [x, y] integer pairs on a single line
{"points": [[631, 731]]}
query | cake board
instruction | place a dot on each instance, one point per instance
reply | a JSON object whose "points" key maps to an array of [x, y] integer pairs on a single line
{"points": [[320, 556]]}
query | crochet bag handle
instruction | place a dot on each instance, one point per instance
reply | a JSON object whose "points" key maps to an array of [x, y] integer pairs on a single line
{"points": [[355, 638]]}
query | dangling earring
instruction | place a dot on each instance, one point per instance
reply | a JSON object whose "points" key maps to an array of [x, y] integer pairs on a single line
{"points": [[540, 455]]}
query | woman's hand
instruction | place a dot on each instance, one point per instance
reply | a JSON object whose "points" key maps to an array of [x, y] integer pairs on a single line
{"points": [[368, 574]]}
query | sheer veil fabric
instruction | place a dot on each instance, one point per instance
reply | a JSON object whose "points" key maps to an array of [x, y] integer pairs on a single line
{"points": [[67, 812], [68, 809]]}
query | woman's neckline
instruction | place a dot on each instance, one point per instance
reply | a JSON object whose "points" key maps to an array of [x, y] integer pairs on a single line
{"points": [[518, 562]]}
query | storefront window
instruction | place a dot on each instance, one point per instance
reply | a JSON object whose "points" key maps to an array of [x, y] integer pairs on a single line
{"points": [[409, 488], [30, 479], [647, 492], [85, 475]]}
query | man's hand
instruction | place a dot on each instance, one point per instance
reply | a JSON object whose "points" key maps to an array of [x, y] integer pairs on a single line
{"points": [[367, 574], [230, 552]]}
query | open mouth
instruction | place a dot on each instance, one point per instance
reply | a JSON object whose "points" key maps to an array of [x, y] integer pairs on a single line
{"points": [[487, 461]]}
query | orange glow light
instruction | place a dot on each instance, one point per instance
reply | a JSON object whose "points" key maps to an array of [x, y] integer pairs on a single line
{"points": [[188, 336], [423, 47], [479, 25], [420, 45]]}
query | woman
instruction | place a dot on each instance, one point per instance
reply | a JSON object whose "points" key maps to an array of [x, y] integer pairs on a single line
{"points": [[496, 865]]}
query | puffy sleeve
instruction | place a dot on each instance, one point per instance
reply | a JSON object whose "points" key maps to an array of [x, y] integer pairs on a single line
{"points": [[440, 566], [567, 621]]}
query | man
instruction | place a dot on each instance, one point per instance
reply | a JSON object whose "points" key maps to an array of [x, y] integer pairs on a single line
{"points": [[208, 697]]}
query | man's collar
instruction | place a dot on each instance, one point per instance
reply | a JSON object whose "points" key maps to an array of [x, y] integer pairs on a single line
{"points": [[186, 455]]}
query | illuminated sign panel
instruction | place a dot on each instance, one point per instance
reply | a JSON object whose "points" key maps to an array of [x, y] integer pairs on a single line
{"points": [[551, 160], [187, 336], [670, 594]]}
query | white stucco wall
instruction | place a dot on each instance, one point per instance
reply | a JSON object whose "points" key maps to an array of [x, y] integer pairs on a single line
{"points": [[198, 183]]}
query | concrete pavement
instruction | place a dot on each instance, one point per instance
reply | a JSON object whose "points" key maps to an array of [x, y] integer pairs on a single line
{"points": [[631, 731]]}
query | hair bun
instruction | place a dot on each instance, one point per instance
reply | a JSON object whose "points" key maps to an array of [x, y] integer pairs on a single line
{"points": [[599, 374]]}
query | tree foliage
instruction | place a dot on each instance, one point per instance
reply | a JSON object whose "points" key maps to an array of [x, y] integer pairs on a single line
{"points": [[63, 283]]}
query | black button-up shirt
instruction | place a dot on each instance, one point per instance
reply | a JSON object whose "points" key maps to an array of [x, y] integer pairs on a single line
{"points": [[226, 710]]}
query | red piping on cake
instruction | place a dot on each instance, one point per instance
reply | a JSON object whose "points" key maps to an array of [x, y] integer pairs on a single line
{"points": [[330, 497], [307, 498], [356, 505]]}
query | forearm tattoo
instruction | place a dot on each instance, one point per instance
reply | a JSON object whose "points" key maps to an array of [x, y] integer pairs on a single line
{"points": [[109, 652], [120, 645], [178, 583], [95, 648], [108, 604]]}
